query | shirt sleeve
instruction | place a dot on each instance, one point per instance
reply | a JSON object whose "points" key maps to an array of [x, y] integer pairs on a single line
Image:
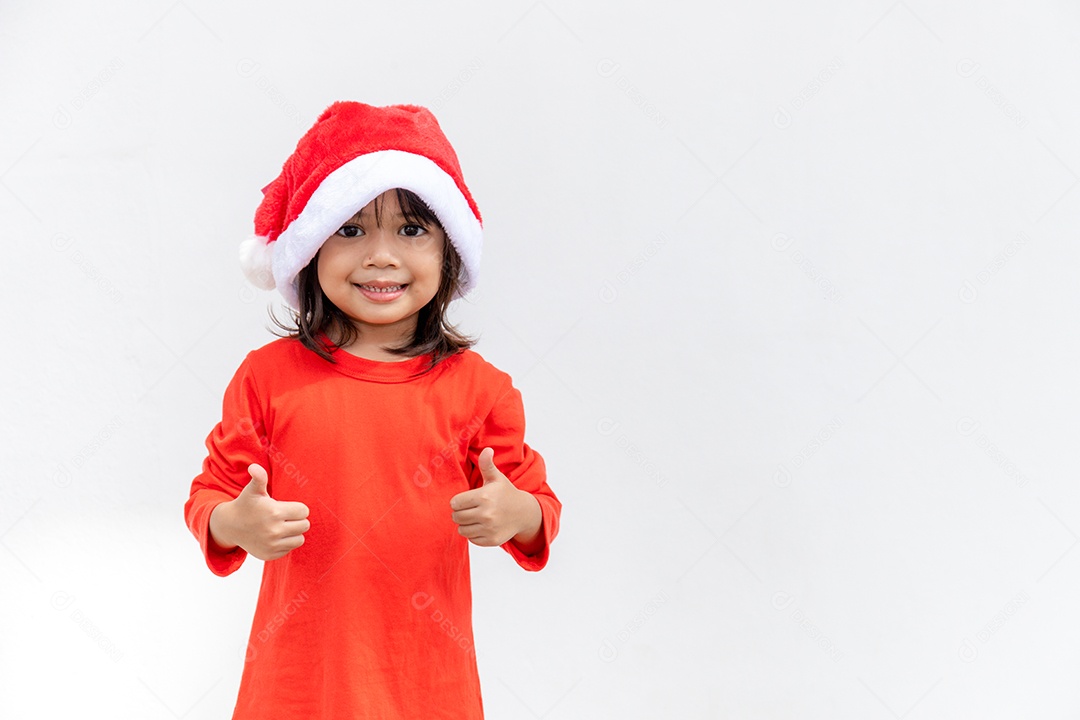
{"points": [[232, 445], [504, 432]]}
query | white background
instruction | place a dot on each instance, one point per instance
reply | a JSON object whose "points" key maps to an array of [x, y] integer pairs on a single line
{"points": [[789, 290]]}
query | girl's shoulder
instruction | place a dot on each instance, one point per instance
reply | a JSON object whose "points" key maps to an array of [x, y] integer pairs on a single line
{"points": [[483, 382], [278, 350], [475, 363], [277, 357]]}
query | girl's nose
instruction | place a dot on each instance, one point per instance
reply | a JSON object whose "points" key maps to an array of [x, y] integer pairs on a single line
{"points": [[379, 250]]}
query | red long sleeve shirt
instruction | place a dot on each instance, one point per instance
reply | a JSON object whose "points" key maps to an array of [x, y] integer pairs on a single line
{"points": [[372, 616]]}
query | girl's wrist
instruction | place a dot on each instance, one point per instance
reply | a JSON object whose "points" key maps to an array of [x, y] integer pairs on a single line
{"points": [[532, 520], [220, 525]]}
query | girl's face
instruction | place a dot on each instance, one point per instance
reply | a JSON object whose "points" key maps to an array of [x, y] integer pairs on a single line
{"points": [[396, 252]]}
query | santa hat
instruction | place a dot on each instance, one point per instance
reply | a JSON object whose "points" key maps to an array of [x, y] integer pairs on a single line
{"points": [[353, 154]]}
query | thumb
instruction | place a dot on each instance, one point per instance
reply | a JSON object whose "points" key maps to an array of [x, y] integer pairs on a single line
{"points": [[487, 465], [258, 482]]}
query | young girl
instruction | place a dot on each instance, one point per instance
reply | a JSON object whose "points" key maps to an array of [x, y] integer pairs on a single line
{"points": [[361, 453]]}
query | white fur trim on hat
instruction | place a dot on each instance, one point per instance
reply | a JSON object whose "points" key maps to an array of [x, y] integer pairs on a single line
{"points": [[349, 188], [256, 258]]}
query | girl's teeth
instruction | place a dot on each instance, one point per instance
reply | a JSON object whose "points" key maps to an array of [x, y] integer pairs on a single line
{"points": [[393, 288]]}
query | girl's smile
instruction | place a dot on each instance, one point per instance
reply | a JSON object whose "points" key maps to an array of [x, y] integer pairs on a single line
{"points": [[382, 290]]}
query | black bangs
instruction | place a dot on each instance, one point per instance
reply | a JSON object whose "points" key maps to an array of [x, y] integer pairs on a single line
{"points": [[412, 207]]}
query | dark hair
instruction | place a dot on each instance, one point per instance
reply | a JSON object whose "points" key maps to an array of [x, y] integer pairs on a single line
{"points": [[434, 334]]}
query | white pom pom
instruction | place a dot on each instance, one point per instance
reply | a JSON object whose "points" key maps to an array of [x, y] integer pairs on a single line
{"points": [[255, 260]]}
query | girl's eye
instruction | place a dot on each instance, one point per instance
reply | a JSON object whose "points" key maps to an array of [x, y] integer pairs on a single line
{"points": [[351, 231]]}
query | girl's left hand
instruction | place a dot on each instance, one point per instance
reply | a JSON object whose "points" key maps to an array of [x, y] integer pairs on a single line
{"points": [[495, 512]]}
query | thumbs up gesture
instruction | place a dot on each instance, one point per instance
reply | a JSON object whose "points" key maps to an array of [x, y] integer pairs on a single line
{"points": [[497, 511], [264, 527]]}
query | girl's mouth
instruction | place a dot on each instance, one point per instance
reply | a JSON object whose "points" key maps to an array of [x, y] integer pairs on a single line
{"points": [[382, 294]]}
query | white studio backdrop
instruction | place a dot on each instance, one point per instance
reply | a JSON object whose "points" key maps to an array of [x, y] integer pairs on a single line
{"points": [[789, 289]]}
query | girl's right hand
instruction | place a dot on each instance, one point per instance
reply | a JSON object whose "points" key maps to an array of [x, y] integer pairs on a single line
{"points": [[264, 527]]}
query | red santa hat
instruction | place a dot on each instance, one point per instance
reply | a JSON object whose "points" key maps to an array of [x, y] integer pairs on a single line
{"points": [[353, 154]]}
